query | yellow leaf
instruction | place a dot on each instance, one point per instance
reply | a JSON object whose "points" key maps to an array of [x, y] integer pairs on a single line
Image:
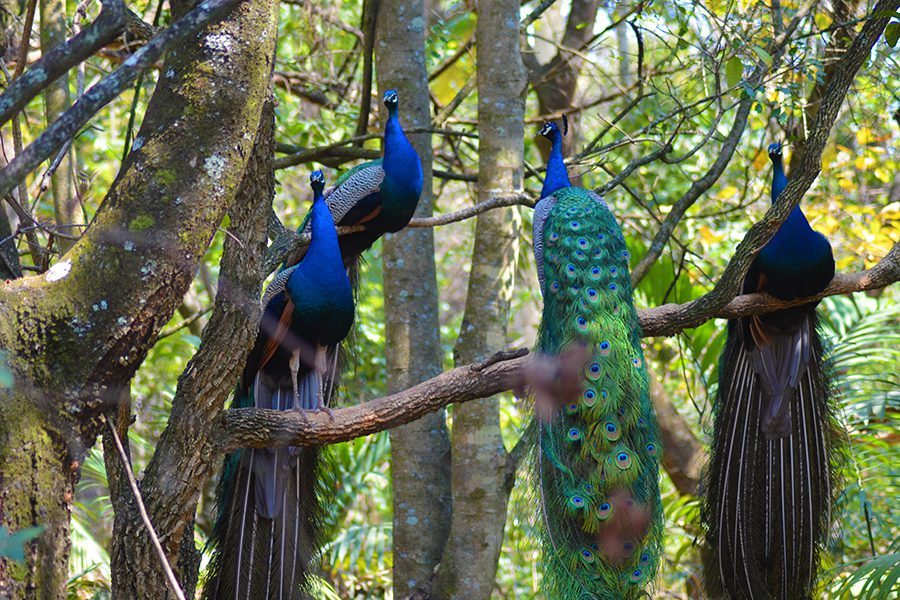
{"points": [[864, 136], [823, 21], [841, 264], [864, 162], [709, 236], [846, 184], [759, 163], [727, 192]]}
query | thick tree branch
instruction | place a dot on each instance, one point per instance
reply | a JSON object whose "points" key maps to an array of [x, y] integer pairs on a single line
{"points": [[258, 428], [261, 428], [104, 92]]}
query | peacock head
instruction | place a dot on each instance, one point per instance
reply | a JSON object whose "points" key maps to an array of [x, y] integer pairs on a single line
{"points": [[391, 100], [551, 131], [317, 182], [775, 151]]}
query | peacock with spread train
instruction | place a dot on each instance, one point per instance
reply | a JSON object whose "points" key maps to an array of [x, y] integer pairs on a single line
{"points": [[267, 530], [380, 195], [770, 483], [597, 456]]}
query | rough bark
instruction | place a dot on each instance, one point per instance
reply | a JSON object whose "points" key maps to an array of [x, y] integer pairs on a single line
{"points": [[75, 335], [420, 451], [483, 472], [56, 101]]}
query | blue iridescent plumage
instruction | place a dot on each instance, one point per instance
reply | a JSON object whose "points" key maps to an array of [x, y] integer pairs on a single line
{"points": [[770, 482], [267, 528], [381, 195], [557, 176]]}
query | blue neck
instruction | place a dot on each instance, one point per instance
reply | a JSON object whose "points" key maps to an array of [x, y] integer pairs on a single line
{"points": [[402, 166], [324, 244], [779, 179], [557, 176], [796, 223]]}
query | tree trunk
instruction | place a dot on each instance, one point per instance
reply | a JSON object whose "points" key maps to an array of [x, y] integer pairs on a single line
{"points": [[420, 451], [10, 268], [56, 100], [483, 472], [186, 445], [75, 336]]}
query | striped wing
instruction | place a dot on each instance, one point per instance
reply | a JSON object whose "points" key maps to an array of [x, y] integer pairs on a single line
{"points": [[354, 190]]}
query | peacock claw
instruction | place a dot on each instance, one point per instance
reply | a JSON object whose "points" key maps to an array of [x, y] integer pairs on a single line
{"points": [[328, 410], [301, 411]]}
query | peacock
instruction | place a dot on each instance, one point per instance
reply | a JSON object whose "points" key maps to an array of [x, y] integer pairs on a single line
{"points": [[267, 528], [770, 482], [597, 456], [380, 195]]}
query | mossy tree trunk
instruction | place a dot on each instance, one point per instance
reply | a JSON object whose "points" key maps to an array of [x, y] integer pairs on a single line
{"points": [[483, 472], [420, 451], [75, 335]]}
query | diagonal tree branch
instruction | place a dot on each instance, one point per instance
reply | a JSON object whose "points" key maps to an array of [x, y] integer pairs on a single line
{"points": [[258, 428], [801, 178], [104, 92], [108, 24]]}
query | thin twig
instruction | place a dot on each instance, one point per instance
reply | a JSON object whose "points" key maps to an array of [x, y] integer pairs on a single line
{"points": [[164, 562]]}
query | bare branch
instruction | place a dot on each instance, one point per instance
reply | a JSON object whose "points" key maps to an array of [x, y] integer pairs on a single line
{"points": [[104, 92], [108, 24], [287, 243]]}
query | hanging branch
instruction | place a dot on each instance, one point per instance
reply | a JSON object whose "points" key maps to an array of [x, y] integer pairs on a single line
{"points": [[154, 539]]}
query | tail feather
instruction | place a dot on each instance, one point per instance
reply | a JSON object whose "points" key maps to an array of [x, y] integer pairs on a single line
{"points": [[269, 523], [768, 497], [597, 458]]}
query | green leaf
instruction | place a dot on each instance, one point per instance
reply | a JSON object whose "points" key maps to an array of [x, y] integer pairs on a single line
{"points": [[734, 70], [12, 545], [765, 56], [892, 33]]}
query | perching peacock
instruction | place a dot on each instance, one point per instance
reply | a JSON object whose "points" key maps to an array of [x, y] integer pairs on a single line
{"points": [[770, 484], [380, 195], [597, 456], [268, 511]]}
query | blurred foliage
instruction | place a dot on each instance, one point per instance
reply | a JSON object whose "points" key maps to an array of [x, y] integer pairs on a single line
{"points": [[696, 58]]}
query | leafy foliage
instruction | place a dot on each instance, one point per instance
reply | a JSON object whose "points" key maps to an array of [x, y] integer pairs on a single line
{"points": [[697, 59]]}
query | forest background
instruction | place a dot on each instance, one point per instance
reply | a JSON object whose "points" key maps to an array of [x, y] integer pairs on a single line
{"points": [[671, 106]]}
